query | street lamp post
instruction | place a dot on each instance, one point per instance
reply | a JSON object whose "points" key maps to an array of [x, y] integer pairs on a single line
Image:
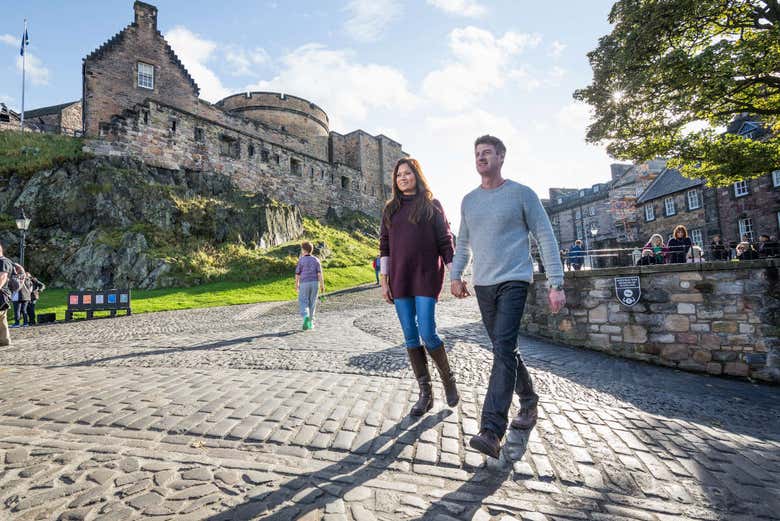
{"points": [[23, 223], [593, 232]]}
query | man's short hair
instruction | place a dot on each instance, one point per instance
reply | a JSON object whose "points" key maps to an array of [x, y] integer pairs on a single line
{"points": [[487, 139], [307, 246]]}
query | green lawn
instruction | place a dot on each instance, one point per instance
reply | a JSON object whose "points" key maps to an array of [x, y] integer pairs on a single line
{"points": [[24, 153], [216, 293]]}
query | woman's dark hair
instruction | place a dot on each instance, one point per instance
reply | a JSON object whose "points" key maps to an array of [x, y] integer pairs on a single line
{"points": [[423, 207], [680, 228]]}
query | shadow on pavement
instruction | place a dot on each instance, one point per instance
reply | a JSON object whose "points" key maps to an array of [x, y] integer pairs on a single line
{"points": [[170, 350], [311, 491]]}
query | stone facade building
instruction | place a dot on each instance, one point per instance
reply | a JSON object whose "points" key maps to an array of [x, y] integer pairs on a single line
{"points": [[9, 120], [139, 101], [673, 200], [750, 207], [61, 119]]}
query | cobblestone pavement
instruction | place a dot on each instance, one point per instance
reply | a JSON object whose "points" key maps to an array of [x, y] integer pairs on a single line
{"points": [[233, 413]]}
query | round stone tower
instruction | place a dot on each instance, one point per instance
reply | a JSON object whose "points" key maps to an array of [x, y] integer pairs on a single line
{"points": [[291, 114]]}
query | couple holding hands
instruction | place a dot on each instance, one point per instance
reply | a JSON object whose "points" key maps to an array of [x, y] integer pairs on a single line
{"points": [[416, 246]]}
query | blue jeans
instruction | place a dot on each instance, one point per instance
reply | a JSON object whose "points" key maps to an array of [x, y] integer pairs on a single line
{"points": [[418, 318], [502, 307], [307, 298]]}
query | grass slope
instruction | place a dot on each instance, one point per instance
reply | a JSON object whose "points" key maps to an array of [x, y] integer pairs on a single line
{"points": [[236, 274], [24, 153]]}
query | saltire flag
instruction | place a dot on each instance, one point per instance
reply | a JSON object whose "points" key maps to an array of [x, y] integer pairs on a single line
{"points": [[25, 42]]}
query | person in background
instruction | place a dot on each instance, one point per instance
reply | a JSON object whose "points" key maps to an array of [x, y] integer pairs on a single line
{"points": [[695, 255], [767, 247], [308, 276], [15, 284], [25, 296], [679, 245], [377, 265], [647, 259], [37, 287], [576, 255], [745, 252], [718, 249], [415, 244], [6, 268], [656, 244]]}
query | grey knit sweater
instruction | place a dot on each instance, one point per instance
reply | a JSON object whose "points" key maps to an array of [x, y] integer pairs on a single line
{"points": [[494, 225]]}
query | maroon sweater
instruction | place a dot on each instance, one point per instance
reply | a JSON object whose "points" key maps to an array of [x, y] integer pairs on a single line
{"points": [[418, 252]]}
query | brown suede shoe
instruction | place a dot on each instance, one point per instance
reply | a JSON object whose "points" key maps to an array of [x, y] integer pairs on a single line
{"points": [[487, 443], [525, 419]]}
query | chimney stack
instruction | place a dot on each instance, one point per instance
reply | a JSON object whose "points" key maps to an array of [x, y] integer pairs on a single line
{"points": [[145, 15]]}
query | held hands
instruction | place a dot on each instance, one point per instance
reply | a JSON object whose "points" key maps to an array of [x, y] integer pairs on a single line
{"points": [[459, 289], [556, 299]]}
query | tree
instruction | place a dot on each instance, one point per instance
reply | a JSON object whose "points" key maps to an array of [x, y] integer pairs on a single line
{"points": [[673, 74]]}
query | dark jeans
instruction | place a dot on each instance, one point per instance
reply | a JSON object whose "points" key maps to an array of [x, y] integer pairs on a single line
{"points": [[20, 311], [502, 308], [31, 311]]}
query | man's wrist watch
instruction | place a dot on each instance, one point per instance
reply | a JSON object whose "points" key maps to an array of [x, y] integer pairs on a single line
{"points": [[556, 287]]}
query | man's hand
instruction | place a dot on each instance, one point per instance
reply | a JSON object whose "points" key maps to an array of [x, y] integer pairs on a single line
{"points": [[557, 299], [459, 289], [386, 293]]}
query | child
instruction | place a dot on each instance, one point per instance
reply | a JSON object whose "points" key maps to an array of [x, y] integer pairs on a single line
{"points": [[656, 243], [308, 275]]}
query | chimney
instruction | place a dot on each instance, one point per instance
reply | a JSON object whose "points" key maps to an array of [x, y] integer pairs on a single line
{"points": [[145, 15], [618, 169]]}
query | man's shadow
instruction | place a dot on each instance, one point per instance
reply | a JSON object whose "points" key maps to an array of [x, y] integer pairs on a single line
{"points": [[338, 478]]}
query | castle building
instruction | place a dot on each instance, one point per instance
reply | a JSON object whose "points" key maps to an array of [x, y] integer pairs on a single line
{"points": [[139, 100]]}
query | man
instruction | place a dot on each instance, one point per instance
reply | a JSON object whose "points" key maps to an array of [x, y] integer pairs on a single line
{"points": [[6, 267], [577, 255], [767, 247], [495, 222]]}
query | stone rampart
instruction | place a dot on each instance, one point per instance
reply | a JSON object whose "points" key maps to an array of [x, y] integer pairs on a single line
{"points": [[290, 113], [721, 318], [256, 157]]}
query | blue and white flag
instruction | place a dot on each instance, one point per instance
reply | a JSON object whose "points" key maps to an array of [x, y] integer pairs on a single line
{"points": [[25, 42]]}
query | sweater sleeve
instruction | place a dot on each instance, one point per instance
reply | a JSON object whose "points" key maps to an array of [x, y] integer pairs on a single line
{"points": [[539, 224], [463, 249], [443, 234], [384, 239]]}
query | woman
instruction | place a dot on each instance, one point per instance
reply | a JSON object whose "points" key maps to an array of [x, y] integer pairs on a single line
{"points": [[745, 252], [37, 287], [718, 249], [415, 245], [656, 244], [679, 245], [308, 275]]}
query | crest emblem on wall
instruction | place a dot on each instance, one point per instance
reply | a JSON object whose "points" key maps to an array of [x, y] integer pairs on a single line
{"points": [[628, 290]]}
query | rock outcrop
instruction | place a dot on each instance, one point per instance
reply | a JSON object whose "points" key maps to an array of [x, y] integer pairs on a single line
{"points": [[114, 222]]}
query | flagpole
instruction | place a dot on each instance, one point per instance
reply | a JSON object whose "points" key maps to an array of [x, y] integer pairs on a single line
{"points": [[24, 58]]}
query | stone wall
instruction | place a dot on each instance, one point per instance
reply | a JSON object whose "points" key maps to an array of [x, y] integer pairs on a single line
{"points": [[291, 113], [256, 158], [722, 318], [71, 119]]}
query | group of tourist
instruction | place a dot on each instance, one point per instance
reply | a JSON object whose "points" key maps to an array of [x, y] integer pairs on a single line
{"points": [[680, 249], [20, 291]]}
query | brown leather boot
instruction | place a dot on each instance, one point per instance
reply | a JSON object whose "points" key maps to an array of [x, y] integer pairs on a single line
{"points": [[420, 367], [439, 356]]}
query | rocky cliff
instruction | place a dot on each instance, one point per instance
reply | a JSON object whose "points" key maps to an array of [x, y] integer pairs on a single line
{"points": [[119, 223]]}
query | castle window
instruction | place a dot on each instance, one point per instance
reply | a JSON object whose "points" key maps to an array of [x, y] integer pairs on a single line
{"points": [[173, 126], [276, 158], [229, 146], [146, 117], [145, 75], [5, 117], [199, 135], [251, 150], [295, 166], [264, 155], [345, 182]]}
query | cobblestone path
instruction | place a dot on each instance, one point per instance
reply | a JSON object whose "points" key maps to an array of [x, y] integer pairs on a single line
{"points": [[233, 413]]}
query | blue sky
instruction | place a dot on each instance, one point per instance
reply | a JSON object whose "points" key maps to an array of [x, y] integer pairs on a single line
{"points": [[431, 74]]}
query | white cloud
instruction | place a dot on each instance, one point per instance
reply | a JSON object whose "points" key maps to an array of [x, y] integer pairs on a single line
{"points": [[195, 52], [468, 8], [11, 40], [525, 79], [34, 68], [245, 62], [481, 64], [575, 116], [368, 19], [345, 90], [557, 48]]}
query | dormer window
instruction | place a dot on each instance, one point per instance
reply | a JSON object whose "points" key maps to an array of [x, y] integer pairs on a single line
{"points": [[145, 75], [749, 129]]}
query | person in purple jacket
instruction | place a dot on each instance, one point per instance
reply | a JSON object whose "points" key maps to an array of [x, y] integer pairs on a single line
{"points": [[308, 276], [415, 245]]}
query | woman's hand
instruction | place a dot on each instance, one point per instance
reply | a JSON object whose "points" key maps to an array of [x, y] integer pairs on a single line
{"points": [[386, 293]]}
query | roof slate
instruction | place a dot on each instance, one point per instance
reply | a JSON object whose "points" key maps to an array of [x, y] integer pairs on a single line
{"points": [[668, 182]]}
